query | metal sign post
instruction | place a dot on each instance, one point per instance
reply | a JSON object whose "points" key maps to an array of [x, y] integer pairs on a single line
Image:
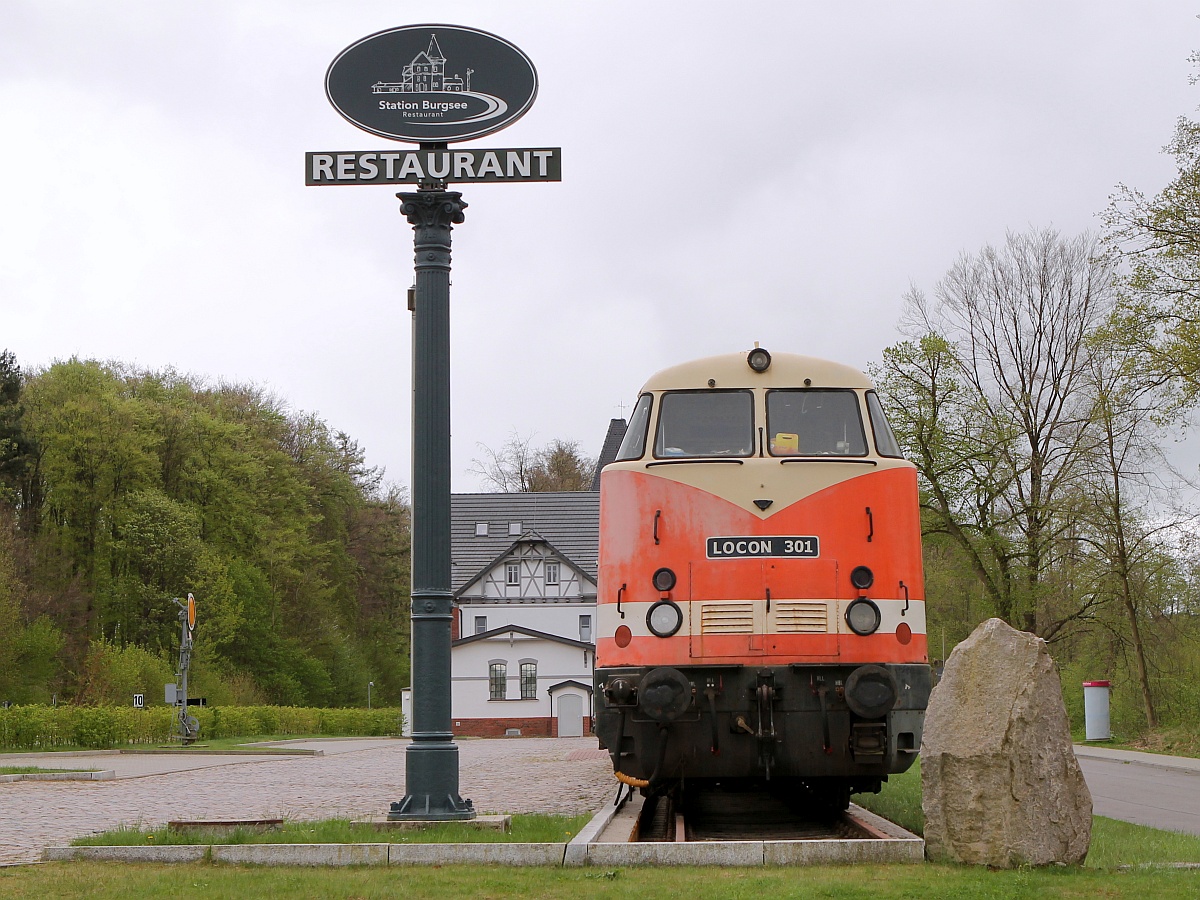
{"points": [[461, 83], [187, 727]]}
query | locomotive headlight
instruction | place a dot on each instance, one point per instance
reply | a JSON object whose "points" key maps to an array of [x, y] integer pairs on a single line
{"points": [[664, 618], [862, 616], [664, 579], [759, 359], [862, 577]]}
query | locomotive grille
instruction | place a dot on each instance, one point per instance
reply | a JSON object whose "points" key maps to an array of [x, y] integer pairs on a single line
{"points": [[727, 618], [801, 616]]}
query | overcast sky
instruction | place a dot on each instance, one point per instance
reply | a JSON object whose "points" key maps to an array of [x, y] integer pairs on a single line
{"points": [[778, 172]]}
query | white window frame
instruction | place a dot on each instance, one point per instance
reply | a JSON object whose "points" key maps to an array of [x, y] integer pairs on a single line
{"points": [[552, 565], [512, 573]]}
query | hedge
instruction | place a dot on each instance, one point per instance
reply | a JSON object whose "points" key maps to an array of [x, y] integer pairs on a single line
{"points": [[39, 727]]}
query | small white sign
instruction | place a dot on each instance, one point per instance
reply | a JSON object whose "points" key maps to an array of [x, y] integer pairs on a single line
{"points": [[171, 694], [139, 701]]}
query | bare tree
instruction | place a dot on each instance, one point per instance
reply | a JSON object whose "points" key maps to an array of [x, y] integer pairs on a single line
{"points": [[993, 397], [518, 466]]}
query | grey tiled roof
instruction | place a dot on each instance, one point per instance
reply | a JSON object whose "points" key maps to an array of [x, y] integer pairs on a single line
{"points": [[569, 521]]}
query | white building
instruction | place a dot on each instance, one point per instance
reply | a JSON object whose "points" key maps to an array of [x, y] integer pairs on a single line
{"points": [[524, 579]]}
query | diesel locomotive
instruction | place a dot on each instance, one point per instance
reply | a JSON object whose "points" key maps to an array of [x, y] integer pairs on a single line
{"points": [[761, 609]]}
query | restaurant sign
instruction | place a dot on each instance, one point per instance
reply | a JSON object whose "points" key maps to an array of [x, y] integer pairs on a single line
{"points": [[431, 84]]}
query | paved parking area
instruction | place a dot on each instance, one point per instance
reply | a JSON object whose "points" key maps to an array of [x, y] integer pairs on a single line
{"points": [[353, 778]]}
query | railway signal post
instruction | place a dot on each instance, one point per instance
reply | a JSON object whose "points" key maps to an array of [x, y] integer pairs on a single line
{"points": [[461, 84]]}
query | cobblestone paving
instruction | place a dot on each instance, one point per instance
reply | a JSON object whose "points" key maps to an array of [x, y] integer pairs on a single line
{"points": [[532, 775]]}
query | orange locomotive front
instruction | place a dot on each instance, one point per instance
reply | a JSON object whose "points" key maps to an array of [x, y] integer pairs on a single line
{"points": [[761, 600]]}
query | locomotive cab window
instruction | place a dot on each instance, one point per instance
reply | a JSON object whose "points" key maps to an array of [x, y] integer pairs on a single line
{"points": [[813, 422], [634, 444], [705, 423]]}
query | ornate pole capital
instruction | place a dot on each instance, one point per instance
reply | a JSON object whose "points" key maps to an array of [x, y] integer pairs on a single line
{"points": [[433, 209]]}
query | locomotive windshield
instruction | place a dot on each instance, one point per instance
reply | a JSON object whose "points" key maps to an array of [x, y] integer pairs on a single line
{"points": [[705, 423], [814, 422]]}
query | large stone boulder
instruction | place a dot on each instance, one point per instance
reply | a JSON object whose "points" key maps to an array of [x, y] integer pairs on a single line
{"points": [[1001, 784]]}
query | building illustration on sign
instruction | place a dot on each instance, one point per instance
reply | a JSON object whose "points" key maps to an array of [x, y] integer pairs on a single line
{"points": [[425, 74]]}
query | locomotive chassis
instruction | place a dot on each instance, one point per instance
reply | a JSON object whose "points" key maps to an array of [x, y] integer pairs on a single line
{"points": [[791, 725]]}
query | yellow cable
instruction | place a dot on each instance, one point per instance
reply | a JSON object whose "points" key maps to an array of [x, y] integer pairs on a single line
{"points": [[631, 781]]}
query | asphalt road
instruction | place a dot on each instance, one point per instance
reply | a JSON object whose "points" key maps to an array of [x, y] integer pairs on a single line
{"points": [[1159, 791]]}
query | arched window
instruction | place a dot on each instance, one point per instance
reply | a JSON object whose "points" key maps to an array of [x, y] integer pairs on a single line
{"points": [[528, 680], [497, 680]]}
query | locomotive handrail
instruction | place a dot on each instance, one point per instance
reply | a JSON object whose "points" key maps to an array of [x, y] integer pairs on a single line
{"points": [[621, 591]]}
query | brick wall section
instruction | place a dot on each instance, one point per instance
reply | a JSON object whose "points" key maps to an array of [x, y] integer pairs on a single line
{"points": [[543, 726]]}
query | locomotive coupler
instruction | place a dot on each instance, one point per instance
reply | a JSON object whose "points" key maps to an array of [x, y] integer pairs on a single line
{"points": [[765, 695], [710, 693], [821, 691]]}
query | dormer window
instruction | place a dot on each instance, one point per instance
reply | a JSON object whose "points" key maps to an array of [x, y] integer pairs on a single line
{"points": [[481, 529], [514, 529]]}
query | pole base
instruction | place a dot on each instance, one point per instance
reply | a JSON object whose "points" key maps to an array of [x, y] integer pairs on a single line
{"points": [[430, 808]]}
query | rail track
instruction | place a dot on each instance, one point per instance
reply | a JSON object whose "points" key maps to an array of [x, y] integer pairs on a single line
{"points": [[714, 815]]}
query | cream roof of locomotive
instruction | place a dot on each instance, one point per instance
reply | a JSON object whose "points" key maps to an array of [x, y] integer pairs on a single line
{"points": [[730, 370]]}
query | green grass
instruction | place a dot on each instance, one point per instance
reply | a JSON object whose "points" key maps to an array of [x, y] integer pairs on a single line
{"points": [[35, 770], [1114, 843], [526, 829], [101, 881], [899, 801], [1178, 741], [225, 743]]}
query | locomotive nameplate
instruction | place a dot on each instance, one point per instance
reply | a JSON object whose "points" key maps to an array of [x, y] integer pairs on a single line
{"points": [[787, 546]]}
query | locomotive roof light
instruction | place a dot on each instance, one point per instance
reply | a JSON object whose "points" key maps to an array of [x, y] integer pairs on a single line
{"points": [[664, 579], [664, 618], [862, 577], [863, 616], [759, 359]]}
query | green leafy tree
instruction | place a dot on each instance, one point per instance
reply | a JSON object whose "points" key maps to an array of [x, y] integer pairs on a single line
{"points": [[1158, 240], [148, 485]]}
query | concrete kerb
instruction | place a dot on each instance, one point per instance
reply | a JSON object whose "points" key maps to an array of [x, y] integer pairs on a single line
{"points": [[64, 754], [302, 854], [175, 853], [104, 775], [475, 854], [1139, 757], [577, 850], [584, 850], [324, 854]]}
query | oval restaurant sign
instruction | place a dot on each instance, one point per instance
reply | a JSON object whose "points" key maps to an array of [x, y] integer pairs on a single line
{"points": [[431, 83]]}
